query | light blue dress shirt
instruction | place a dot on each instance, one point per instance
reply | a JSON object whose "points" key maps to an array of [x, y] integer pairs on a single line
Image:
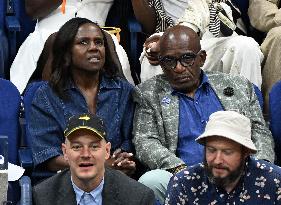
{"points": [[96, 193]]}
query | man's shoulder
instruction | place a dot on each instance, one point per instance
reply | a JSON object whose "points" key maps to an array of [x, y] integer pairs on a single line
{"points": [[221, 78], [265, 167], [191, 175], [123, 182], [154, 84], [51, 184]]}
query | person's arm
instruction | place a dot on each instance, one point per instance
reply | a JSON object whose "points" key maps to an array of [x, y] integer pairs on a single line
{"points": [[38, 9], [196, 16], [127, 118], [145, 15], [149, 143], [162, 20], [45, 129], [264, 14], [261, 135], [57, 163]]}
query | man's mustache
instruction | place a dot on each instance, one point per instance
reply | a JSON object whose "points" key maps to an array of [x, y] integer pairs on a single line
{"points": [[219, 167]]}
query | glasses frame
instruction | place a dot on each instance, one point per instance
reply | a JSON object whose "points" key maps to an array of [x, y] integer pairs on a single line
{"points": [[192, 55]]}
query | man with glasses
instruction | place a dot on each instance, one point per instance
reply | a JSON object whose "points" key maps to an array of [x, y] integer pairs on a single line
{"points": [[173, 108]]}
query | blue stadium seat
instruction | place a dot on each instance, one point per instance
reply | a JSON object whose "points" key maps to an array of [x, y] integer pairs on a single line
{"points": [[9, 126], [122, 15], [275, 118]]}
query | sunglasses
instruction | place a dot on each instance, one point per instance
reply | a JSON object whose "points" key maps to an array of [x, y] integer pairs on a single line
{"points": [[186, 60]]}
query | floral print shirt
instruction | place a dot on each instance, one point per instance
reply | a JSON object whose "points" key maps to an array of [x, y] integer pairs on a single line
{"points": [[260, 184]]}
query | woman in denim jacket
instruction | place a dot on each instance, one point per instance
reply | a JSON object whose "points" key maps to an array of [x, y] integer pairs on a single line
{"points": [[85, 77]]}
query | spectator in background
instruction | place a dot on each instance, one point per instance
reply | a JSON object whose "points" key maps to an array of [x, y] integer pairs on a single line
{"points": [[50, 19], [88, 181], [173, 108], [229, 175], [217, 22], [84, 78], [265, 15]]}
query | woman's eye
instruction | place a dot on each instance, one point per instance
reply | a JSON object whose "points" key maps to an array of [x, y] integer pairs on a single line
{"points": [[83, 42], [99, 42]]}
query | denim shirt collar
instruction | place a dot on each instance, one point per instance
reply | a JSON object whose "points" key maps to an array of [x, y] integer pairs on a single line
{"points": [[105, 83]]}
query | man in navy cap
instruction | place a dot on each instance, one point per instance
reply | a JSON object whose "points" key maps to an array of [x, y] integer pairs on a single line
{"points": [[88, 181]]}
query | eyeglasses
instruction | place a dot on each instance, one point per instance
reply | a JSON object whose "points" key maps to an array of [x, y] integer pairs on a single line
{"points": [[170, 62]]}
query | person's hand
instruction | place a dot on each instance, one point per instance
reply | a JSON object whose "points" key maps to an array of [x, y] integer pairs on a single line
{"points": [[152, 49], [124, 162]]}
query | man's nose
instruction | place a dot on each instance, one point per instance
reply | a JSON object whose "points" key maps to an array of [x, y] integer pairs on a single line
{"points": [[85, 152], [179, 67], [218, 158]]}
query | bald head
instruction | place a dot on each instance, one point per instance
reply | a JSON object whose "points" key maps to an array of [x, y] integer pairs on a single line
{"points": [[179, 36]]}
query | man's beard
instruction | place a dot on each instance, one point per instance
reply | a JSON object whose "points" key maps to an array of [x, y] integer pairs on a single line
{"points": [[223, 182]]}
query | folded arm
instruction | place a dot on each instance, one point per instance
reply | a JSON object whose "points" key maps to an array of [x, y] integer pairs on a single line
{"points": [[38, 9], [264, 14]]}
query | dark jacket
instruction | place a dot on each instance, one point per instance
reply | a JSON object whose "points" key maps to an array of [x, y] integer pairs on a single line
{"points": [[118, 190]]}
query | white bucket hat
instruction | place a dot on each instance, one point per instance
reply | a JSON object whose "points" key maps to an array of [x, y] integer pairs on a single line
{"points": [[231, 125]]}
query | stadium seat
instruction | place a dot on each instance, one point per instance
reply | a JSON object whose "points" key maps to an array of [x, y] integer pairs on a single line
{"points": [[275, 118]]}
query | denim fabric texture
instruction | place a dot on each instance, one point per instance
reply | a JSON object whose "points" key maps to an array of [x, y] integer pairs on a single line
{"points": [[49, 115]]}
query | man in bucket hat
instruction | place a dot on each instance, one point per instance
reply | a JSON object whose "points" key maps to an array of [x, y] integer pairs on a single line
{"points": [[228, 175], [88, 181]]}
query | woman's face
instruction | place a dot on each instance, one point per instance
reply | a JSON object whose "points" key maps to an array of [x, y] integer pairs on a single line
{"points": [[88, 51]]}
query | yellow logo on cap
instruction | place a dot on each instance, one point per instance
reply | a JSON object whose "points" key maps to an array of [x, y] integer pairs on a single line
{"points": [[84, 117]]}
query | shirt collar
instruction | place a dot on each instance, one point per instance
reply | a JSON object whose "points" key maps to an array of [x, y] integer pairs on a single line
{"points": [[105, 83], [79, 192]]}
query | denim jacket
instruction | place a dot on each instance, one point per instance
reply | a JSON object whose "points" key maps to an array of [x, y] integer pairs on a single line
{"points": [[49, 115]]}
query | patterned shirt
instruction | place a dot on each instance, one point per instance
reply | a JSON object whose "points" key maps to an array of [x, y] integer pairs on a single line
{"points": [[260, 184]]}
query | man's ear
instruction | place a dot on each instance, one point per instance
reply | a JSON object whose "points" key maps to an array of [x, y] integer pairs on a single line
{"points": [[63, 147], [203, 56], [107, 149], [246, 152]]}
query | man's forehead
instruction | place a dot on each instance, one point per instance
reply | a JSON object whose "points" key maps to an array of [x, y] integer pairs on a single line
{"points": [[178, 42], [221, 142]]}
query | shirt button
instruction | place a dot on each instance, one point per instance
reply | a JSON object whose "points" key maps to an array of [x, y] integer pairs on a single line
{"points": [[196, 102], [202, 121]]}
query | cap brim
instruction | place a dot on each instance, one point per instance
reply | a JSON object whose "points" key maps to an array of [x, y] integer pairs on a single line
{"points": [[86, 128], [236, 138]]}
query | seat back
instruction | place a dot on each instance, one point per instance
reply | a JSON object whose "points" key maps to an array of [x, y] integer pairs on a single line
{"points": [[122, 15], [26, 23], [9, 117], [9, 126], [275, 117]]}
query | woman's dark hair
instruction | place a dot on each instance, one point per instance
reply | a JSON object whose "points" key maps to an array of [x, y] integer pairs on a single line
{"points": [[62, 60]]}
